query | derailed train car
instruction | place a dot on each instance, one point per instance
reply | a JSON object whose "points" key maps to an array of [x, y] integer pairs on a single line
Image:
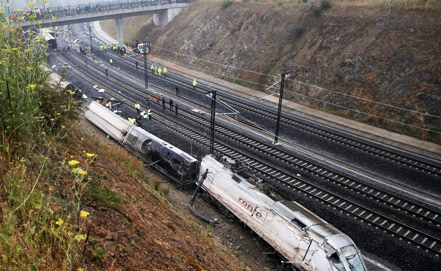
{"points": [[165, 157], [306, 241]]}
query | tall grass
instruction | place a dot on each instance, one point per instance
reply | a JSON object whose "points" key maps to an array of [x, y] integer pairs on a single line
{"points": [[39, 230]]}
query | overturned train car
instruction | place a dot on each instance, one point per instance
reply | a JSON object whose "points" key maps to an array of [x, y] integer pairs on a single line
{"points": [[165, 157], [306, 241]]}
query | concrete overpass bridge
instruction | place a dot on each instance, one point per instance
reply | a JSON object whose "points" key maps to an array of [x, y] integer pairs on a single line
{"points": [[163, 12]]}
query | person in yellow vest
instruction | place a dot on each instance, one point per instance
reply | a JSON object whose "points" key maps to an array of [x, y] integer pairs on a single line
{"points": [[132, 121], [111, 61], [149, 113], [194, 84], [152, 67], [156, 70], [138, 108], [159, 71], [165, 70]]}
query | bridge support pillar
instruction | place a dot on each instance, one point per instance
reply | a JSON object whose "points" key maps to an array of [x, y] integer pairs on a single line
{"points": [[119, 31], [165, 16]]}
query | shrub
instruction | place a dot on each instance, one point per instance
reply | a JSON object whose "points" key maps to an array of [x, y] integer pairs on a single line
{"points": [[324, 5], [299, 30], [103, 195], [225, 4]]}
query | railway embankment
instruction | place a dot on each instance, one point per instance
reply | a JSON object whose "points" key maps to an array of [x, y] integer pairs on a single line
{"points": [[376, 64]]}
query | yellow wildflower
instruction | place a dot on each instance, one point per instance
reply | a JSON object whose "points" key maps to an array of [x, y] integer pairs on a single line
{"points": [[73, 162], [90, 154], [80, 237], [14, 49], [32, 86], [79, 171], [84, 213], [59, 222], [62, 126]]}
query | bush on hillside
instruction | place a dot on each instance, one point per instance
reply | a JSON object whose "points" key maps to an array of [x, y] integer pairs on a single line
{"points": [[299, 30], [225, 4], [324, 5]]}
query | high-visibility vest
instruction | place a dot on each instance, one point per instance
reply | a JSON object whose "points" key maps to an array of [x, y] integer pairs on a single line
{"points": [[159, 70], [194, 82], [111, 61], [165, 70], [137, 106], [149, 112], [152, 67], [132, 121]]}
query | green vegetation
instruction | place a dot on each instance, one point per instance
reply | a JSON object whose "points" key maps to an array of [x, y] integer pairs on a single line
{"points": [[98, 253], [324, 5], [103, 195], [225, 4], [299, 30], [39, 229]]}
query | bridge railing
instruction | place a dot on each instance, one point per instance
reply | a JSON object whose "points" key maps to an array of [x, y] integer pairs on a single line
{"points": [[82, 9]]}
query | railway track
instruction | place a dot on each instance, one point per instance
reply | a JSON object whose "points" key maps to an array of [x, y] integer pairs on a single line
{"points": [[410, 234], [363, 189], [375, 150]]}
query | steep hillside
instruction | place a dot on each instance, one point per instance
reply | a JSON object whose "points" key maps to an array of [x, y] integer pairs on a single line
{"points": [[381, 54]]}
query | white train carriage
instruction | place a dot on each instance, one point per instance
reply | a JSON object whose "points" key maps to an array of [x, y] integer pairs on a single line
{"points": [[165, 157], [302, 238], [49, 38]]}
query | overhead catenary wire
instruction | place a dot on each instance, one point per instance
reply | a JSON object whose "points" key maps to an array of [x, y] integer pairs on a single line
{"points": [[364, 99], [301, 83], [369, 114], [211, 62]]}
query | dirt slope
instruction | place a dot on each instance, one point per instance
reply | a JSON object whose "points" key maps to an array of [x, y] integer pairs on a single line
{"points": [[388, 55], [147, 232]]}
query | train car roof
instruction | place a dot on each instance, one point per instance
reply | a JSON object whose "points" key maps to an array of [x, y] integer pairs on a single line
{"points": [[54, 80], [106, 120], [298, 215]]}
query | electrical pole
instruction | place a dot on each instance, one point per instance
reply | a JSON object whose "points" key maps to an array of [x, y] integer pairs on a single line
{"points": [[90, 34], [146, 79], [145, 50], [213, 116], [279, 111]]}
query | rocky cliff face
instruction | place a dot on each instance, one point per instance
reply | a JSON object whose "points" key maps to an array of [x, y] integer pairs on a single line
{"points": [[385, 55]]}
